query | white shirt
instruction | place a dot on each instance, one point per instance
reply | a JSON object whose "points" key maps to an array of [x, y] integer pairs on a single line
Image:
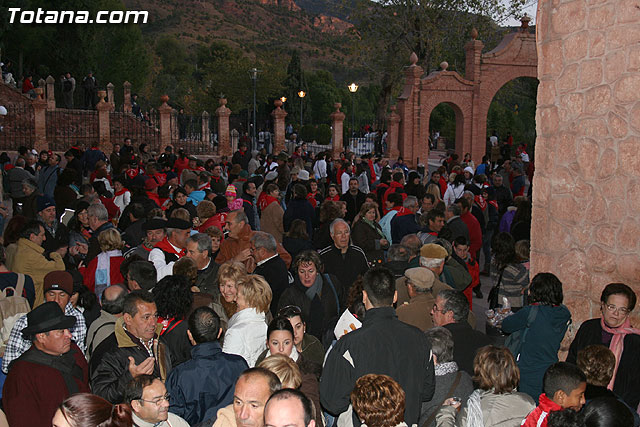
{"points": [[320, 169], [247, 335], [345, 177], [156, 256]]}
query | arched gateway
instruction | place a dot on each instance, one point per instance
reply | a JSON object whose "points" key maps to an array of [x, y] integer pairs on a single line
{"points": [[470, 97]]}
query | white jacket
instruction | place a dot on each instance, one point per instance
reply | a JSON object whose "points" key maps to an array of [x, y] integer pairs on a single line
{"points": [[247, 335], [452, 194]]}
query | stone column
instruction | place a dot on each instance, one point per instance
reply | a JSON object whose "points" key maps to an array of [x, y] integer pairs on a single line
{"points": [[586, 193], [165, 122], [337, 130], [278, 126], [473, 55], [110, 99], [205, 136], [51, 95], [40, 120], [104, 129], [393, 127], [224, 141], [127, 96], [409, 110]]}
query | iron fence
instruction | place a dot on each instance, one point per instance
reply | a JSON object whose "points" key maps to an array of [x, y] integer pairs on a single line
{"points": [[194, 133], [66, 128], [140, 130], [362, 146], [18, 127]]}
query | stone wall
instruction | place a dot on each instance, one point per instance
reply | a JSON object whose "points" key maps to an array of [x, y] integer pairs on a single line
{"points": [[586, 198]]}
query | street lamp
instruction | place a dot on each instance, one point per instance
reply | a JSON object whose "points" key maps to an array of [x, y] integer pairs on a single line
{"points": [[283, 99], [353, 88], [301, 94], [254, 77]]}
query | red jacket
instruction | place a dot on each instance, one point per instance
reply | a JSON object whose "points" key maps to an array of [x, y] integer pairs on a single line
{"points": [[393, 187], [475, 233], [538, 417], [218, 220], [89, 272], [33, 392]]}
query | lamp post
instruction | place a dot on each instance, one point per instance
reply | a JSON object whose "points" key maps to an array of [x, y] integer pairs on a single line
{"points": [[254, 77], [283, 99], [353, 88], [301, 94]]}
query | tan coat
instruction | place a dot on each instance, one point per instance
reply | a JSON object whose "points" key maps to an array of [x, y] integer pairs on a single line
{"points": [[231, 247], [271, 221], [29, 259], [417, 311]]}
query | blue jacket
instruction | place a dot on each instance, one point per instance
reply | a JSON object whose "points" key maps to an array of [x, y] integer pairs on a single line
{"points": [[540, 349], [204, 384], [196, 197]]}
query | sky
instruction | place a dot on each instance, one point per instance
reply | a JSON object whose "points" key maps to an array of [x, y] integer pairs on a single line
{"points": [[530, 9]]}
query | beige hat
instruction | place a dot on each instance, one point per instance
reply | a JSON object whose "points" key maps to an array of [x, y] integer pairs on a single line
{"points": [[420, 277], [432, 250]]}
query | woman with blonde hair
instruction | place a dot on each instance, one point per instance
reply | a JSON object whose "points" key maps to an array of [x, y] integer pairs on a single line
{"points": [[378, 400], [104, 270], [247, 333], [285, 369], [495, 402]]}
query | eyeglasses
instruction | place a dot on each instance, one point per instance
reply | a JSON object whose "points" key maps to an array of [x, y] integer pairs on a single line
{"points": [[290, 311], [436, 309], [613, 309], [157, 401]]}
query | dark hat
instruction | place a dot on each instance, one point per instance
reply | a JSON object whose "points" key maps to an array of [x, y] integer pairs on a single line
{"points": [[171, 175], [178, 223], [47, 317], [154, 224], [58, 281], [44, 202]]}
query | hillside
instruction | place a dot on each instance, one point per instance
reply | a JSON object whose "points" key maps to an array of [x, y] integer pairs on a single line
{"points": [[272, 27]]}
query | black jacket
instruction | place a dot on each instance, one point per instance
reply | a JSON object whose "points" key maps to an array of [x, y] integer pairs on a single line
{"points": [[299, 209], [627, 384], [466, 342], [241, 159], [354, 203], [177, 342], [321, 314], [368, 239], [94, 246], [207, 280], [347, 267], [453, 229], [134, 234], [403, 225], [383, 345], [295, 246], [276, 274]]}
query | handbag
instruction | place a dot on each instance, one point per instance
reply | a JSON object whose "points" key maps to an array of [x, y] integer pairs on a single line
{"points": [[515, 341], [449, 394], [492, 299]]}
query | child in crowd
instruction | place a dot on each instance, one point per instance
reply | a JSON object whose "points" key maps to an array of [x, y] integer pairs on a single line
{"points": [[564, 385]]}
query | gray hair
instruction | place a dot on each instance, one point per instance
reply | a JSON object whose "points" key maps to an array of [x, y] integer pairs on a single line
{"points": [[337, 221], [99, 211], [260, 239], [30, 182], [456, 302], [410, 201], [240, 216], [441, 343], [203, 241], [467, 193], [454, 209], [413, 244], [431, 262], [20, 162], [397, 253]]}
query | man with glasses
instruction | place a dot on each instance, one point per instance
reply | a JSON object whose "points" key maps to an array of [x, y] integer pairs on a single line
{"points": [[132, 350], [451, 310], [149, 402], [343, 259]]}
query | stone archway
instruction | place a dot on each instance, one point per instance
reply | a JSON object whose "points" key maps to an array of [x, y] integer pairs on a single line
{"points": [[514, 57]]}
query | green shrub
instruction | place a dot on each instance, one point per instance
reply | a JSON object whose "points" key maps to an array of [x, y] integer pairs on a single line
{"points": [[308, 133], [323, 134]]}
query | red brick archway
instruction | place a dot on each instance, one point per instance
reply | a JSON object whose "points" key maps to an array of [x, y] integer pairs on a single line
{"points": [[470, 96]]}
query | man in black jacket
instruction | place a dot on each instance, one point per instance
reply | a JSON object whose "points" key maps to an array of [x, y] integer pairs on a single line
{"points": [[269, 265], [383, 345], [199, 249], [454, 226], [354, 199], [343, 259], [132, 350]]}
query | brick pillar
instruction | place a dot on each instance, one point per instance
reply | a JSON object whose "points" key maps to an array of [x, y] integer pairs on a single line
{"points": [[165, 121], [278, 126], [40, 120], [51, 95], [205, 136], [409, 110], [127, 96], [224, 141], [110, 98], [586, 193], [337, 129], [473, 54], [393, 128], [104, 129]]}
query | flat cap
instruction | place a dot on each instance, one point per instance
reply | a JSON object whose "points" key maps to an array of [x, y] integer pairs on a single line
{"points": [[420, 277], [431, 250]]}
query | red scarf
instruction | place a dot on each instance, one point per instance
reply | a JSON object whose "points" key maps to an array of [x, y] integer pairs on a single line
{"points": [[161, 178], [165, 246], [132, 173], [121, 192], [493, 203], [373, 171], [481, 202], [266, 201], [335, 198], [617, 342], [402, 211], [311, 197]]}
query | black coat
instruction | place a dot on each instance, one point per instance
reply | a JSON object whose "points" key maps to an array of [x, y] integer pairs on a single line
{"points": [[627, 384], [299, 209], [347, 267], [368, 239], [207, 280], [134, 234], [295, 246], [94, 246], [176, 339], [453, 229], [354, 203], [276, 274], [466, 342], [403, 225], [321, 314]]}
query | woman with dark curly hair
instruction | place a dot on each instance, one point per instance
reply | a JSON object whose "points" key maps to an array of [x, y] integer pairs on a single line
{"points": [[378, 400], [545, 321], [173, 300], [89, 410], [511, 275]]}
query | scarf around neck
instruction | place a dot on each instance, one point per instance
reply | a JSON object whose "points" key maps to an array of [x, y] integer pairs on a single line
{"points": [[617, 343], [314, 289], [373, 225]]}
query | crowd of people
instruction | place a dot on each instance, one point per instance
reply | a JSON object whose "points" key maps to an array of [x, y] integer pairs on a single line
{"points": [[290, 290]]}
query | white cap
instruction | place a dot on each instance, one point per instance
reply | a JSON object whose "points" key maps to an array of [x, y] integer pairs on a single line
{"points": [[469, 169], [3, 110], [303, 175]]}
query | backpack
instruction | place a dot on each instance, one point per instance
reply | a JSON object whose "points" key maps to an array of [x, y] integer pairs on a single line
{"points": [[16, 304], [515, 341]]}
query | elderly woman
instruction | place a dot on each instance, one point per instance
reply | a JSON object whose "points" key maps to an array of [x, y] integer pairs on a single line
{"points": [[307, 345], [367, 233], [378, 400], [495, 402], [29, 202], [104, 270], [450, 381], [546, 321], [247, 333], [229, 274], [613, 330], [320, 296]]}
